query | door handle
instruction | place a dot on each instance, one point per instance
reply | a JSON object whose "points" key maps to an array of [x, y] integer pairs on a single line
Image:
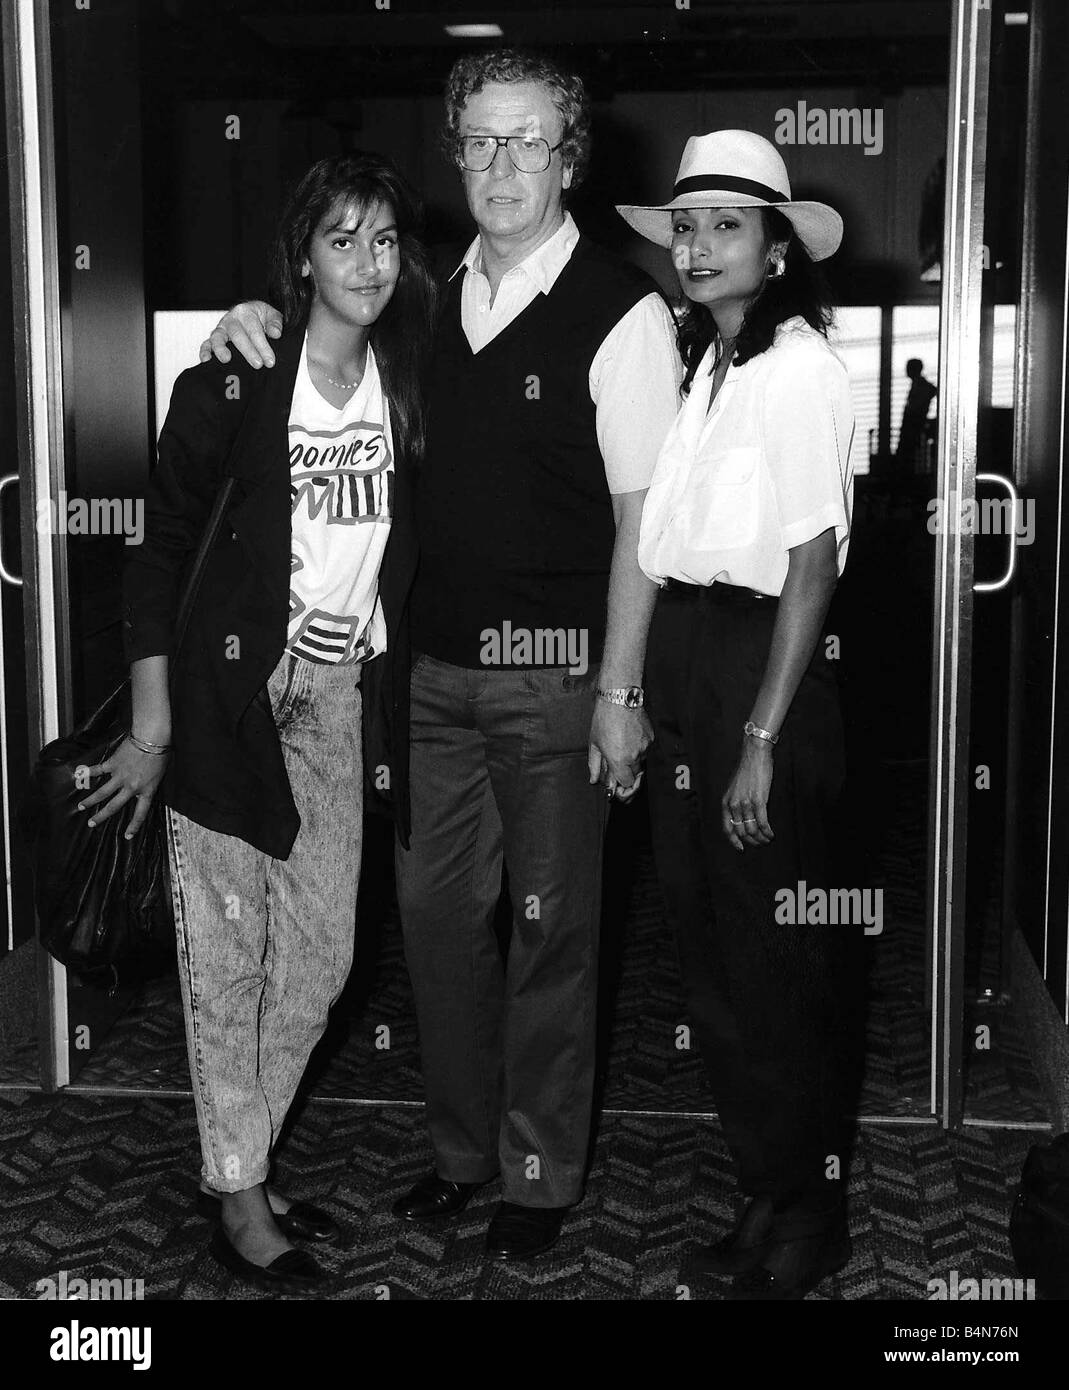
{"points": [[5, 574], [1012, 564]]}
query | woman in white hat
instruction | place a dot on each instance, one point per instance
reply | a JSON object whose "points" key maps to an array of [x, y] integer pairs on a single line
{"points": [[745, 527]]}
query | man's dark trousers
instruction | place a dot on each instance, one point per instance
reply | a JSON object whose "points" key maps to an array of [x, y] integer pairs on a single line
{"points": [[499, 774]]}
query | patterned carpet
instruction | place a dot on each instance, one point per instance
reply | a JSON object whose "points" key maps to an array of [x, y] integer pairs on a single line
{"points": [[102, 1185]]}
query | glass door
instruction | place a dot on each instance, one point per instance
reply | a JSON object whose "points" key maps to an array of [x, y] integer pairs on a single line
{"points": [[992, 824], [1017, 998]]}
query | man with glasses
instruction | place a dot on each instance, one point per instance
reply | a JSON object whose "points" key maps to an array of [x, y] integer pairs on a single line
{"points": [[553, 384]]}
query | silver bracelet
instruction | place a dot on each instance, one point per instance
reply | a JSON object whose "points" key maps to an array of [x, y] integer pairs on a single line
{"points": [[158, 749], [752, 729]]}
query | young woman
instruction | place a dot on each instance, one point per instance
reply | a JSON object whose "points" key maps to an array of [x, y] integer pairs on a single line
{"points": [[746, 526], [252, 734]]}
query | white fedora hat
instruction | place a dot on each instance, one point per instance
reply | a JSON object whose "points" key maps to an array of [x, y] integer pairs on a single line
{"points": [[737, 169]]}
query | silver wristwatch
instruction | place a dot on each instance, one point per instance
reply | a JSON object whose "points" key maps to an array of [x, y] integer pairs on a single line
{"points": [[633, 697]]}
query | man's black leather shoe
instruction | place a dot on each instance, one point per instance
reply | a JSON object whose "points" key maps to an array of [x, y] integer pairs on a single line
{"points": [[741, 1250], [521, 1233], [433, 1198], [303, 1221], [292, 1272]]}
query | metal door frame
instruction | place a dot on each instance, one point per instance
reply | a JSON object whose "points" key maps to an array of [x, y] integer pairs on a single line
{"points": [[41, 463], [959, 385]]}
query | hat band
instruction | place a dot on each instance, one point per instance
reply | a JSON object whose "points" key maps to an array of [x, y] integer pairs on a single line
{"points": [[700, 182]]}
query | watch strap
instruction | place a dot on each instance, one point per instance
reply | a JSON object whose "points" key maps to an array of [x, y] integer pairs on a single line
{"points": [[631, 696]]}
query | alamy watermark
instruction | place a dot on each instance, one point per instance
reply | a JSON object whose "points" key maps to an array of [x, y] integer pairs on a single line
{"points": [[994, 1290], [994, 516], [63, 1288], [540, 646], [834, 907], [92, 516], [838, 125], [78, 1343]]}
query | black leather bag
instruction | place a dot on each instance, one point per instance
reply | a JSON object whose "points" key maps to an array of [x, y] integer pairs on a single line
{"points": [[1039, 1222], [104, 902]]}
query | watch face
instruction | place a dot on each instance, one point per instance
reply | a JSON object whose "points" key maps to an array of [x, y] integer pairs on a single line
{"points": [[633, 697]]}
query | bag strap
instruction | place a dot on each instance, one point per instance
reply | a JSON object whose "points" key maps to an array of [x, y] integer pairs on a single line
{"points": [[118, 697], [196, 574]]}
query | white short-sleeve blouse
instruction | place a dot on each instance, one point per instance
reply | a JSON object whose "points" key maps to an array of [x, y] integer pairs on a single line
{"points": [[766, 469]]}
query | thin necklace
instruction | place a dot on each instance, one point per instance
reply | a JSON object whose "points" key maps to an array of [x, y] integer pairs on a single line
{"points": [[341, 385]]}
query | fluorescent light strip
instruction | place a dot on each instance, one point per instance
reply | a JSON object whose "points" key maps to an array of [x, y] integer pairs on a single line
{"points": [[475, 31]]}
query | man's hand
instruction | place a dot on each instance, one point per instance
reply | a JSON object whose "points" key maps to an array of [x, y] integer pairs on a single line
{"points": [[619, 738], [248, 326]]}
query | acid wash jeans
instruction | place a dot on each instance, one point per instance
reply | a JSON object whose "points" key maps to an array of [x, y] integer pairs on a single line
{"points": [[265, 945]]}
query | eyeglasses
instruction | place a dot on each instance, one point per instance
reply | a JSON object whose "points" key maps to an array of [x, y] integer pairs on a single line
{"points": [[529, 155]]}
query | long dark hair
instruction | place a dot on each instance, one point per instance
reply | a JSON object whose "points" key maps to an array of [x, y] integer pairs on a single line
{"points": [[801, 290], [403, 332]]}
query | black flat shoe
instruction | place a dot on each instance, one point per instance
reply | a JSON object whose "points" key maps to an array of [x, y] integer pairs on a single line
{"points": [[303, 1221], [764, 1285], [433, 1199], [292, 1272], [741, 1250], [521, 1233]]}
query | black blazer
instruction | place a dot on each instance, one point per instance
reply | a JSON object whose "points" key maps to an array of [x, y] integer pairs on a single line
{"points": [[227, 770]]}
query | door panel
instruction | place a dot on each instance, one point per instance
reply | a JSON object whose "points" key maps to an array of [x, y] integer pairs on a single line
{"points": [[1036, 888]]}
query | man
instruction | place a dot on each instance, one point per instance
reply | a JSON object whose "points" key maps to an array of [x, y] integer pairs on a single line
{"points": [[553, 384], [914, 416]]}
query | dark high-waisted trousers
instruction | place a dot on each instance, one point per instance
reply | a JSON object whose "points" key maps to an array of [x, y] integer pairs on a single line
{"points": [[775, 1008]]}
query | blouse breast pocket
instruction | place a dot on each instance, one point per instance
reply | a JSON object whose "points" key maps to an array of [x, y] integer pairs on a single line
{"points": [[722, 499]]}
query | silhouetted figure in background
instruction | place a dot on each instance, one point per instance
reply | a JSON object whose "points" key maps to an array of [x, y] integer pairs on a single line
{"points": [[914, 416]]}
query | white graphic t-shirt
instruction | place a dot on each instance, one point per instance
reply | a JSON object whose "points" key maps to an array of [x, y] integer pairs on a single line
{"points": [[341, 490]]}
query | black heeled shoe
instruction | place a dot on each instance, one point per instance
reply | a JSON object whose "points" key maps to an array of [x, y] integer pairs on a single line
{"points": [[803, 1264], [303, 1221], [294, 1271], [741, 1249]]}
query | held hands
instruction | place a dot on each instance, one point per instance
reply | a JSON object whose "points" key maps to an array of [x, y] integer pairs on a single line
{"points": [[131, 775], [619, 738], [248, 327], [744, 806]]}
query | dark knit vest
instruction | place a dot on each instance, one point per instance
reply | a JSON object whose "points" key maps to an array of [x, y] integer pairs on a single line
{"points": [[513, 510]]}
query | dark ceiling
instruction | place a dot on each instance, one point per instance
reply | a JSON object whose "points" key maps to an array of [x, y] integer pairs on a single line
{"points": [[343, 49]]}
